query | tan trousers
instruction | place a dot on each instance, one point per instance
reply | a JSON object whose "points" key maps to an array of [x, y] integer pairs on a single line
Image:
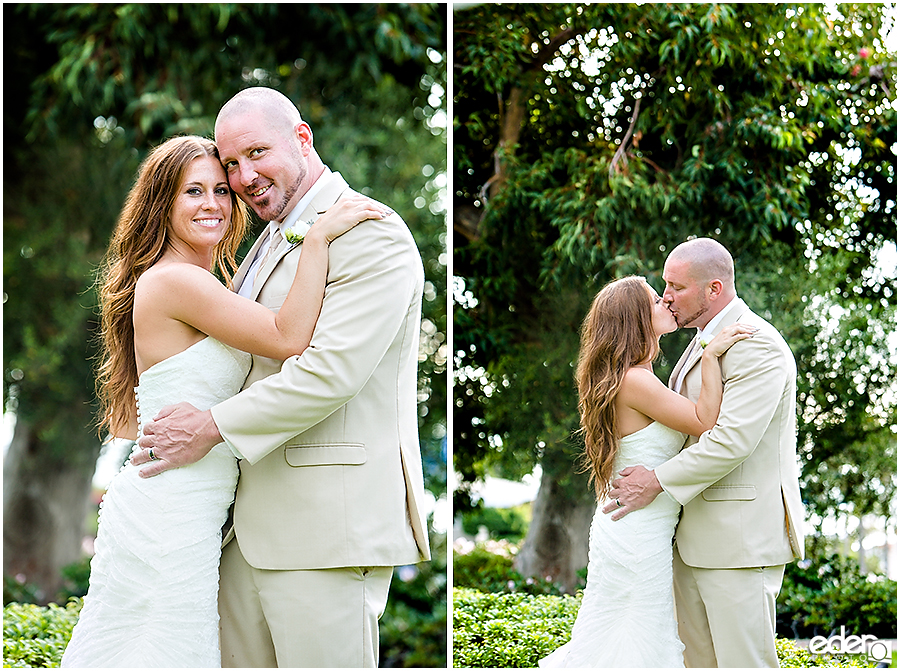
{"points": [[726, 617], [299, 619]]}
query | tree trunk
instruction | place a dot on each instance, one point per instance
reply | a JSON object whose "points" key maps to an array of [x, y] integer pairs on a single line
{"points": [[556, 546], [46, 501]]}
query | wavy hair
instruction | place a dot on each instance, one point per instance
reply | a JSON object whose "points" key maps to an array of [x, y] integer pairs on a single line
{"points": [[617, 334], [140, 239]]}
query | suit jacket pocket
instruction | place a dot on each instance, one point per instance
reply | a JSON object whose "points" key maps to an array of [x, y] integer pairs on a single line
{"points": [[330, 454], [729, 493]]}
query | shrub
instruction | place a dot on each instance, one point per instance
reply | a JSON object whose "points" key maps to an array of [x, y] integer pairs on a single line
{"points": [[16, 590], [413, 630], [509, 630], [791, 656], [488, 567], [75, 583], [517, 630], [502, 523], [821, 595], [36, 636]]}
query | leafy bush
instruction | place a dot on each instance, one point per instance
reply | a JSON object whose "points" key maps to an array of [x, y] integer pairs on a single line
{"points": [[18, 591], [488, 567], [509, 630], [36, 636], [819, 596], [413, 629], [75, 580], [501, 523], [517, 630]]}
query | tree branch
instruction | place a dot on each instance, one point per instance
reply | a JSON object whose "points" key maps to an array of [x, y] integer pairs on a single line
{"points": [[620, 152]]}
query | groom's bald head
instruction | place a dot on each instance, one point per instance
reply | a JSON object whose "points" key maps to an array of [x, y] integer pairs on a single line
{"points": [[707, 260], [699, 276], [269, 108]]}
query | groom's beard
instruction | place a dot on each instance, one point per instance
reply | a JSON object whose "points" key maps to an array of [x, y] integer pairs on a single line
{"points": [[686, 322]]}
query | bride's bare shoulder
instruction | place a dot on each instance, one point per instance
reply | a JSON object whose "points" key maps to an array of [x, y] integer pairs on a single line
{"points": [[173, 279], [639, 377]]}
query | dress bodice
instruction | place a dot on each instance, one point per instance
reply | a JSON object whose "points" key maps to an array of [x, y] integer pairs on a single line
{"points": [[649, 446], [204, 374]]}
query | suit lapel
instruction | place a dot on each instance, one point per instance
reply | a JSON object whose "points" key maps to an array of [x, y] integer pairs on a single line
{"points": [[682, 362], [334, 188], [263, 273], [242, 270]]}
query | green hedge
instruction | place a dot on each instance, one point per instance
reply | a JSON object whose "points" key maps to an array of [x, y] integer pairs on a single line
{"points": [[36, 636], [517, 630], [820, 595], [508, 630], [817, 596], [413, 630], [488, 567]]}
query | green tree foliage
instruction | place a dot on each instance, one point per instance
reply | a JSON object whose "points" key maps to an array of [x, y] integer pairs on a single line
{"points": [[93, 88], [589, 140]]}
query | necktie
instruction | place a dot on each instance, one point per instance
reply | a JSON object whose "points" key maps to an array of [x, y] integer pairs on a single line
{"points": [[275, 240]]}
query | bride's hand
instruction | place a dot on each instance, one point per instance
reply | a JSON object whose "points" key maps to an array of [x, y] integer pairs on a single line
{"points": [[727, 337], [345, 214]]}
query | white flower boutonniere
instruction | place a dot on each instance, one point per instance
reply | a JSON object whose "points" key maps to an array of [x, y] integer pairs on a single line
{"points": [[704, 342], [293, 236], [296, 234]]}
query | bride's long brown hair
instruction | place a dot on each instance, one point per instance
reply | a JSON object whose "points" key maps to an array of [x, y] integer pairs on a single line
{"points": [[617, 334], [140, 238]]}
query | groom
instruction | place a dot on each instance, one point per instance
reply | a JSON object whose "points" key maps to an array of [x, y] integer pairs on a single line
{"points": [[331, 490], [742, 518]]}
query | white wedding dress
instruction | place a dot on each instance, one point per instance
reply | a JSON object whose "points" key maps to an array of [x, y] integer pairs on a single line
{"points": [[152, 600], [627, 613]]}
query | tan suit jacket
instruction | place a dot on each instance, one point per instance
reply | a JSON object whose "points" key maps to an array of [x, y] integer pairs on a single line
{"points": [[739, 482], [332, 471]]}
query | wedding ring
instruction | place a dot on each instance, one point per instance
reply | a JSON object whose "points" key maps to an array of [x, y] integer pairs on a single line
{"points": [[154, 458], [617, 500]]}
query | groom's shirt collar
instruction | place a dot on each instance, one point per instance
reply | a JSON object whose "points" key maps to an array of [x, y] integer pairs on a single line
{"points": [[710, 329]]}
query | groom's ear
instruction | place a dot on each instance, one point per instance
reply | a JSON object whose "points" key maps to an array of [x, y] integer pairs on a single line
{"points": [[304, 136], [715, 288]]}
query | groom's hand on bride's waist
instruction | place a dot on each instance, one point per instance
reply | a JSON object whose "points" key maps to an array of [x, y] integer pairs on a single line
{"points": [[179, 435], [637, 488]]}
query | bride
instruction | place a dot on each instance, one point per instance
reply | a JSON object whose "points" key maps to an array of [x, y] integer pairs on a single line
{"points": [[173, 332], [629, 417]]}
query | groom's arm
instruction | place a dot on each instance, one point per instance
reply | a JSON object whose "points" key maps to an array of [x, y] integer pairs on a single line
{"points": [[376, 275], [756, 373]]}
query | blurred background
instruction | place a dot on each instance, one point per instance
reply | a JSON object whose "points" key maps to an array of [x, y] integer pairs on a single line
{"points": [[588, 141], [90, 88]]}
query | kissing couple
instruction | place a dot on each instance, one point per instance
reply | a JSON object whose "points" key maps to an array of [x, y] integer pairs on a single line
{"points": [[709, 461]]}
